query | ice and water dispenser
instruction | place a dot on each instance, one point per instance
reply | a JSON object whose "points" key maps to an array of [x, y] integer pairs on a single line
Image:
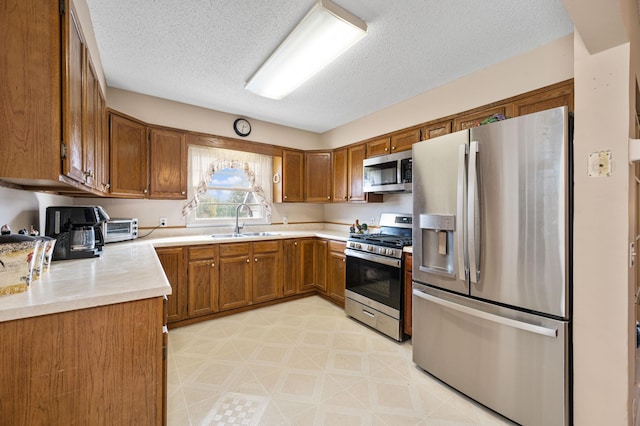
{"points": [[437, 240]]}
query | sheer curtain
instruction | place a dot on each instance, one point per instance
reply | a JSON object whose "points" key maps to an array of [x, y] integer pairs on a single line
{"points": [[205, 161]]}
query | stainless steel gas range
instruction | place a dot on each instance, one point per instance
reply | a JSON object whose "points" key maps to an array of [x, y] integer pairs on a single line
{"points": [[374, 287]]}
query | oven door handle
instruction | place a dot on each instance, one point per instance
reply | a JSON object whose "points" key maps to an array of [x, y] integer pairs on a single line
{"points": [[396, 263]]}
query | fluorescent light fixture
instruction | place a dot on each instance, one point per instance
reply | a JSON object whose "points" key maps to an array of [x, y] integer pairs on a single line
{"points": [[325, 33]]}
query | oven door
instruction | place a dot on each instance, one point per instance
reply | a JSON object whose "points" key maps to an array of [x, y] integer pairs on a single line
{"points": [[376, 278]]}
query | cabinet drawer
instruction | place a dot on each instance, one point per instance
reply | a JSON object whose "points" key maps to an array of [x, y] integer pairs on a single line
{"points": [[234, 249], [202, 252], [266, 246], [337, 246]]}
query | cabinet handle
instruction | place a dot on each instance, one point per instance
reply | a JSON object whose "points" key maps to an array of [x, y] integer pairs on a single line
{"points": [[295, 244], [145, 190], [386, 149], [248, 260], [328, 197], [182, 193], [285, 197], [344, 260], [255, 260], [393, 148], [213, 265]]}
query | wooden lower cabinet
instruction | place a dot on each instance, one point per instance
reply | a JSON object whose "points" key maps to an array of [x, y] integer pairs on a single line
{"points": [[308, 272], [173, 263], [290, 266], [408, 265], [101, 365], [249, 273], [202, 276], [336, 271], [267, 272], [235, 276]]}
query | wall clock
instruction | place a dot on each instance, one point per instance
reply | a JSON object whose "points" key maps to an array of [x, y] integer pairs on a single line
{"points": [[242, 127]]}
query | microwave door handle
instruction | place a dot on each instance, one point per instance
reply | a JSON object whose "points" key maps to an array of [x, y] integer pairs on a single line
{"points": [[460, 225], [472, 211]]}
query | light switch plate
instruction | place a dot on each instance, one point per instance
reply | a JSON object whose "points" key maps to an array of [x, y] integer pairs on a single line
{"points": [[600, 164]]}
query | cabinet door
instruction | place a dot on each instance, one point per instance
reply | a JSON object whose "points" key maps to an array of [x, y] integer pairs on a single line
{"points": [[317, 177], [337, 271], [540, 101], [378, 147], [167, 164], [356, 172], [320, 265], [403, 141], [292, 176], [307, 262], [103, 144], [172, 260], [89, 124], [291, 267], [129, 168], [203, 280], [340, 176], [234, 276], [72, 81], [30, 97], [436, 129], [408, 265], [267, 271], [474, 119]]}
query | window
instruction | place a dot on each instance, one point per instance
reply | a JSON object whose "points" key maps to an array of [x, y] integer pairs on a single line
{"points": [[220, 180]]}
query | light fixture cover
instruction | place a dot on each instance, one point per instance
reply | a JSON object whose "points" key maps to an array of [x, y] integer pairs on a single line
{"points": [[324, 33]]}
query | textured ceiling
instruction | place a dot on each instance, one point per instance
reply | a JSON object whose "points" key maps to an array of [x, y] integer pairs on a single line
{"points": [[201, 52]]}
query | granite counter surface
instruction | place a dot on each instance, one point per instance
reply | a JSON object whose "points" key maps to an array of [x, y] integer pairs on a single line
{"points": [[125, 272]]}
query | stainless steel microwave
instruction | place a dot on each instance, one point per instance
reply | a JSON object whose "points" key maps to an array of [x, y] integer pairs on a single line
{"points": [[388, 173], [115, 230]]}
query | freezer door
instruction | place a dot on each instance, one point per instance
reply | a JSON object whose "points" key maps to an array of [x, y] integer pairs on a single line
{"points": [[512, 362], [439, 185], [520, 221]]}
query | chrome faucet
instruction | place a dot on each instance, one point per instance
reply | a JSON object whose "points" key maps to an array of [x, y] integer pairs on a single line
{"points": [[238, 227]]}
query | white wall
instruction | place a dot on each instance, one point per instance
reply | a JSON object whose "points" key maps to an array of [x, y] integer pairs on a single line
{"points": [[21, 209], [154, 110]]}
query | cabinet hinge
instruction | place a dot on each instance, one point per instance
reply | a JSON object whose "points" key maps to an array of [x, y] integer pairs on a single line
{"points": [[63, 150], [62, 7]]}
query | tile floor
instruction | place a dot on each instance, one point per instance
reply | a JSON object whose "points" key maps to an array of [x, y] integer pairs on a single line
{"points": [[304, 363]]}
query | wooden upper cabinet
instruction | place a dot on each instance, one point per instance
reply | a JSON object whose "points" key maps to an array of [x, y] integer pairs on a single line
{"points": [[167, 164], [474, 118], [129, 163], [403, 141], [317, 177], [356, 172], [30, 90], [340, 176], [559, 95], [90, 131], [72, 95], [435, 129], [378, 147], [292, 176]]}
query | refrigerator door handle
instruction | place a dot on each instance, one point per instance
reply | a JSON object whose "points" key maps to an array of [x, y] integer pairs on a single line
{"points": [[460, 191], [472, 210], [537, 329]]}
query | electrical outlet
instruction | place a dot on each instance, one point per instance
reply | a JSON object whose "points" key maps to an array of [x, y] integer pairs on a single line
{"points": [[372, 221], [163, 221]]}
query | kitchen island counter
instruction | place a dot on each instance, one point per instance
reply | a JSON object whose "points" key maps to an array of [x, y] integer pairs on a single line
{"points": [[124, 273]]}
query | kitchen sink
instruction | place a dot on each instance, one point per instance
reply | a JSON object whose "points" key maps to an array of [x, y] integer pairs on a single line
{"points": [[246, 234]]}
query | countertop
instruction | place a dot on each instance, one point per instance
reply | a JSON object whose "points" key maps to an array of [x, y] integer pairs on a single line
{"points": [[124, 272]]}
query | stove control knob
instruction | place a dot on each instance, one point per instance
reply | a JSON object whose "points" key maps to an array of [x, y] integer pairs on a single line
{"points": [[371, 248]]}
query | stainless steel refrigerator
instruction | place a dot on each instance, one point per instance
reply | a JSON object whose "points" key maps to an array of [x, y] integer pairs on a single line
{"points": [[492, 264]]}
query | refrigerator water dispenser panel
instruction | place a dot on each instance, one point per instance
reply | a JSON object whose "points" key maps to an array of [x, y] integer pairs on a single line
{"points": [[437, 232]]}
